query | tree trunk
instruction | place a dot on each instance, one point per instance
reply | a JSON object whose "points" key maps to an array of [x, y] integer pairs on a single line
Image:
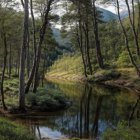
{"points": [[31, 76], [39, 47], [23, 58], [87, 47], [126, 40], [3, 71], [28, 56], [138, 24], [80, 38], [96, 35], [10, 65], [132, 23]]}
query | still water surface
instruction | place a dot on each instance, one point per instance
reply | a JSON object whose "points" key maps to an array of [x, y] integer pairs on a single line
{"points": [[94, 109]]}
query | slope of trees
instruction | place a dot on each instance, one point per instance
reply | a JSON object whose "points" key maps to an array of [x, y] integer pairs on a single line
{"points": [[24, 38], [29, 50], [28, 47]]}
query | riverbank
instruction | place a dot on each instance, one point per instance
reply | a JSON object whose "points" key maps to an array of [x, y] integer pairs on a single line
{"points": [[12, 131], [46, 99], [128, 79], [122, 77]]}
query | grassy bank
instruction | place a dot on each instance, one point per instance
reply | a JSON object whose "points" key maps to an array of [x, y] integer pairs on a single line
{"points": [[125, 77], [70, 68], [46, 98], [12, 131], [123, 132]]}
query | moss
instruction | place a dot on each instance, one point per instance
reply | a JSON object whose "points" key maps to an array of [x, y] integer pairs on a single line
{"points": [[11, 131]]}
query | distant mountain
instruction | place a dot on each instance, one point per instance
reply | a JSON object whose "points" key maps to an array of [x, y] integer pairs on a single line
{"points": [[111, 6], [108, 10], [64, 43], [107, 15], [60, 10]]}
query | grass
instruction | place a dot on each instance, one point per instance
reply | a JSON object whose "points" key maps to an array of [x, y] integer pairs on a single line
{"points": [[12, 131], [11, 91], [68, 67], [45, 97], [123, 132]]}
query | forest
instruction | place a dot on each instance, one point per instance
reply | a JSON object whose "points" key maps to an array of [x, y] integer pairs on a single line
{"points": [[69, 69]]}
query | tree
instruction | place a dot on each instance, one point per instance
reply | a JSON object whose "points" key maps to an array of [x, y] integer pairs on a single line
{"points": [[34, 75], [126, 40], [23, 58], [132, 24], [4, 67], [6, 14], [96, 35]]}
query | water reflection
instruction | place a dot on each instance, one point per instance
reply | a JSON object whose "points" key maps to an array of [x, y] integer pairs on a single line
{"points": [[94, 109]]}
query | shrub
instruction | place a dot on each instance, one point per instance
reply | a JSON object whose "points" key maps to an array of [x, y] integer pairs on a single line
{"points": [[31, 98], [46, 99], [123, 60]]}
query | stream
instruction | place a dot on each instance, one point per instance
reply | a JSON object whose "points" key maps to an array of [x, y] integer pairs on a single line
{"points": [[94, 109]]}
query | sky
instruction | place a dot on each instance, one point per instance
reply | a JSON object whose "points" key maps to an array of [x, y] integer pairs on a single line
{"points": [[110, 6]]}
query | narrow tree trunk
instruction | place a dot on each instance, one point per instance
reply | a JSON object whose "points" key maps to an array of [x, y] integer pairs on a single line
{"points": [[28, 56], [132, 23], [138, 24], [133, 13], [39, 48], [126, 41], [87, 37], [96, 35], [88, 47], [3, 71], [31, 76], [23, 59], [81, 50], [44, 68], [10, 65], [80, 38]]}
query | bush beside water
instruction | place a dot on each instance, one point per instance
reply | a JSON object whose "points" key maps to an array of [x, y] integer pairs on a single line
{"points": [[47, 99]]}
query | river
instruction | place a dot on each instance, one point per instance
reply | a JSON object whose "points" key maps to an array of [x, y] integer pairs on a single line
{"points": [[94, 109]]}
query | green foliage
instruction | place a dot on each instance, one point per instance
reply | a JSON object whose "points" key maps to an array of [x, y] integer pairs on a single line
{"points": [[104, 75], [11, 91], [123, 60], [67, 65], [123, 132], [11, 131], [46, 98]]}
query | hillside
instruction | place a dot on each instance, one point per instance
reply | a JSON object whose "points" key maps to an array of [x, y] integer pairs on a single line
{"points": [[107, 15], [68, 68]]}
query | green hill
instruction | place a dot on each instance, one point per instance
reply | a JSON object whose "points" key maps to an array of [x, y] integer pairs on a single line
{"points": [[68, 67]]}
